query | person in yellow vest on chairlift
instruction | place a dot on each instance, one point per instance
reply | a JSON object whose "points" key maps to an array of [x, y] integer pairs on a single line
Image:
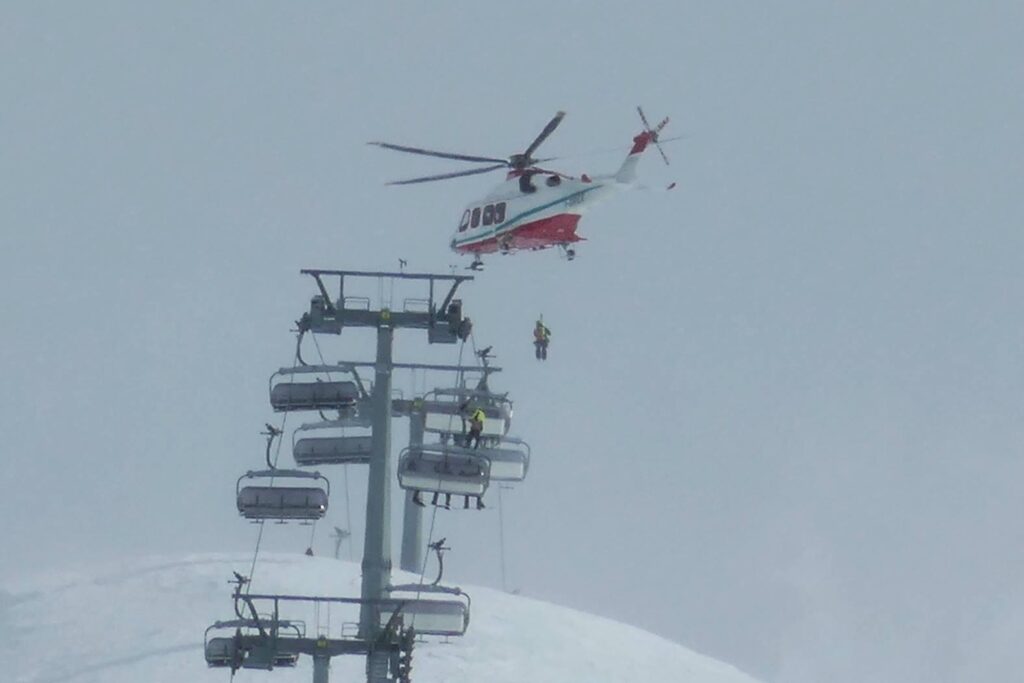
{"points": [[541, 337], [476, 427]]}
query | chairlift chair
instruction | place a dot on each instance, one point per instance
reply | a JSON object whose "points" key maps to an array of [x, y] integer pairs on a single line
{"points": [[236, 652], [509, 458], [438, 468], [282, 503], [344, 449], [428, 616], [443, 412], [287, 395]]}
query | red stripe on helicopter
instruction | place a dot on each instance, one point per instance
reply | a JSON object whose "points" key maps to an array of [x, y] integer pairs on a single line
{"points": [[546, 232], [640, 143]]}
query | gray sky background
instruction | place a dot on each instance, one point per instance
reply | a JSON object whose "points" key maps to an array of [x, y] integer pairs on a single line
{"points": [[781, 422]]}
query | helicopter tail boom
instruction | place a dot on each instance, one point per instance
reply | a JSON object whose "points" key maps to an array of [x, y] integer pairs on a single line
{"points": [[627, 172]]}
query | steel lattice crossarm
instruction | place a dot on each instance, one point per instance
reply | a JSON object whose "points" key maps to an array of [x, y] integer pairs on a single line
{"points": [[442, 319]]}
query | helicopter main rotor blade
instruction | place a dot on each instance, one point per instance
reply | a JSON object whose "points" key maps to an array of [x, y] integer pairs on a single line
{"points": [[664, 158], [643, 118], [548, 130], [445, 176], [443, 155]]}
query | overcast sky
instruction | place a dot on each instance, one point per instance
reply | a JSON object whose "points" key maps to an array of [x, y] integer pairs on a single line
{"points": [[781, 422]]}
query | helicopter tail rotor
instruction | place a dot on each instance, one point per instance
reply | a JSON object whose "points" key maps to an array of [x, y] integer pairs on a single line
{"points": [[653, 132]]}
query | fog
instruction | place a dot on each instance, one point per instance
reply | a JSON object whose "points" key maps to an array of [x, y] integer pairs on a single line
{"points": [[780, 422]]}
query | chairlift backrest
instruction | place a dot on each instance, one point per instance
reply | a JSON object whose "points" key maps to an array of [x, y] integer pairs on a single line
{"points": [[221, 652], [239, 652], [449, 416], [429, 617], [442, 469], [335, 395], [510, 459], [478, 398], [339, 449], [332, 450]]}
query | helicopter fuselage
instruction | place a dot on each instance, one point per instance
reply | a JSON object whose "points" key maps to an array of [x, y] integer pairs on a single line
{"points": [[533, 210]]}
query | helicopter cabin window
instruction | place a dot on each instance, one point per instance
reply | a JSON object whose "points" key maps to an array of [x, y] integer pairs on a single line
{"points": [[488, 214], [465, 221], [475, 221], [499, 212]]}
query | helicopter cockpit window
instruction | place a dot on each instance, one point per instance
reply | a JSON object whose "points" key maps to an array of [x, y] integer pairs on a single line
{"points": [[553, 181], [488, 214], [499, 212], [465, 221], [475, 221]]}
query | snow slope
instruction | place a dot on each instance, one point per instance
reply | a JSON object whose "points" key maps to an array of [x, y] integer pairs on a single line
{"points": [[144, 621]]}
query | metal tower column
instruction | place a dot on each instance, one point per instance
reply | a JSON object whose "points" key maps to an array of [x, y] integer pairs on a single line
{"points": [[377, 548], [412, 518], [321, 668]]}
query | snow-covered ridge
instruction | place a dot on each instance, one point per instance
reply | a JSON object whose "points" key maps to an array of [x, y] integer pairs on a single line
{"points": [[143, 620]]}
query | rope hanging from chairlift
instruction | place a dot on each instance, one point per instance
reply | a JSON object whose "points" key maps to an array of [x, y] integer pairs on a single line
{"points": [[259, 537]]}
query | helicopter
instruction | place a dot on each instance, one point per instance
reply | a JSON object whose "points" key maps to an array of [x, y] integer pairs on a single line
{"points": [[534, 208]]}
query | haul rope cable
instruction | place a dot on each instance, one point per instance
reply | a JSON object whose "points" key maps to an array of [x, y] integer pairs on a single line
{"points": [[259, 537]]}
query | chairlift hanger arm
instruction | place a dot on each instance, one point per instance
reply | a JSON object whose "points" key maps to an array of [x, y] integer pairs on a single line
{"points": [[359, 383], [255, 615], [448, 299], [323, 291]]}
